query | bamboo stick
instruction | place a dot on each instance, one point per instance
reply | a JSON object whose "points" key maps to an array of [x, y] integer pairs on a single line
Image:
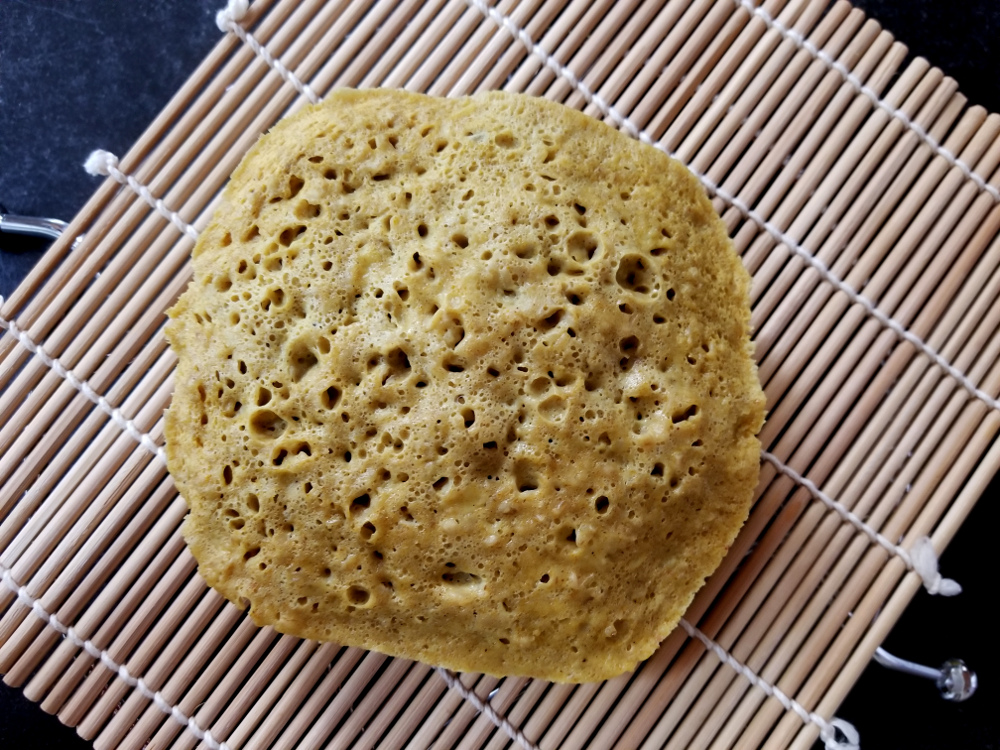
{"points": [[70, 576], [446, 707], [238, 649], [679, 115], [596, 57], [378, 693], [104, 622], [397, 708], [232, 696], [759, 69], [880, 169], [661, 39], [305, 682], [369, 666], [99, 594], [307, 712]]}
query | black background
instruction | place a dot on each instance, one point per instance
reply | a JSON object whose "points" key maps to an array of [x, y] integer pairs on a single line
{"points": [[75, 76]]}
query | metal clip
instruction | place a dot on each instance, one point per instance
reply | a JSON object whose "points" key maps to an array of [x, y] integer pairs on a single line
{"points": [[30, 225], [955, 680]]}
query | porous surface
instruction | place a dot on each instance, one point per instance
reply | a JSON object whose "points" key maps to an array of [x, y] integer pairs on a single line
{"points": [[467, 381]]}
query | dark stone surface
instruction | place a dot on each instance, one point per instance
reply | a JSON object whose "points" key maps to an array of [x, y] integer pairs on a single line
{"points": [[94, 73], [79, 76]]}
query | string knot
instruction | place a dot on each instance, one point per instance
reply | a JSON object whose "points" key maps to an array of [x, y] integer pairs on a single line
{"points": [[925, 565], [100, 163], [233, 13], [850, 738]]}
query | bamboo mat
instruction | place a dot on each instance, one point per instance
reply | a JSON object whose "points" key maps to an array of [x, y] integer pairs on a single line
{"points": [[861, 194]]}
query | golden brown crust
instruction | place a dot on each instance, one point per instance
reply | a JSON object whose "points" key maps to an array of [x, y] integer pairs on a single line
{"points": [[466, 381]]}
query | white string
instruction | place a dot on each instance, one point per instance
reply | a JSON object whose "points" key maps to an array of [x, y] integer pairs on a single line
{"points": [[127, 425], [827, 729], [632, 129], [925, 564], [228, 20], [800, 41], [105, 163], [147, 442], [485, 708], [188, 722], [922, 559]]}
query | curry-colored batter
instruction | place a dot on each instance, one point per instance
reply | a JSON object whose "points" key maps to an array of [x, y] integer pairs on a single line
{"points": [[467, 381]]}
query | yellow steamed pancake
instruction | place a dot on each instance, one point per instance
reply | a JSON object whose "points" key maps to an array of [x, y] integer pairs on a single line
{"points": [[467, 381]]}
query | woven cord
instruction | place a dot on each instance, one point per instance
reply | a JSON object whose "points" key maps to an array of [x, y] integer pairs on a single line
{"points": [[188, 722], [146, 441], [105, 163], [827, 729], [228, 20], [485, 708], [921, 559], [802, 43]]}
